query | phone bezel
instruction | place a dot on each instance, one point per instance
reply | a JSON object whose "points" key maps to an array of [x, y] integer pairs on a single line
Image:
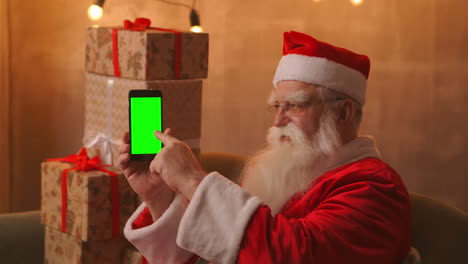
{"points": [[142, 93]]}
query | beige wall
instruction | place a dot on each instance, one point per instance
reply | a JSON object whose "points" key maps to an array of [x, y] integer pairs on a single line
{"points": [[416, 92]]}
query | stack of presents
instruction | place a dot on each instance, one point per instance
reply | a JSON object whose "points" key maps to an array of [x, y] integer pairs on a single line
{"points": [[85, 199]]}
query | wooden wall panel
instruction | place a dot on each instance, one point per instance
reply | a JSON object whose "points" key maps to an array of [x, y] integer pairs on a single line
{"points": [[5, 170], [415, 102], [47, 57]]}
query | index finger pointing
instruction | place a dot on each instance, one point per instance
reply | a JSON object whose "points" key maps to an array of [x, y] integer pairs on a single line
{"points": [[165, 138]]}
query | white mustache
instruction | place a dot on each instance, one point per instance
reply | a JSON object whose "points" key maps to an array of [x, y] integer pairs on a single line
{"points": [[291, 131]]}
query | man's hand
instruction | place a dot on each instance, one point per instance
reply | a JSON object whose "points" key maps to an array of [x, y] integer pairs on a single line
{"points": [[149, 186], [177, 166]]}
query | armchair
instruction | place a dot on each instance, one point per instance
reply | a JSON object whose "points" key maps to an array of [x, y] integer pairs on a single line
{"points": [[440, 231]]}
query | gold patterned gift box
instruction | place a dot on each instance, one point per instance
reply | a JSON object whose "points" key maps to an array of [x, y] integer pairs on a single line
{"points": [[147, 55], [86, 211], [106, 108], [61, 248], [132, 256]]}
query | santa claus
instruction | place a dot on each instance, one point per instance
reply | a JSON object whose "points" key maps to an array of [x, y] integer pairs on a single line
{"points": [[319, 193]]}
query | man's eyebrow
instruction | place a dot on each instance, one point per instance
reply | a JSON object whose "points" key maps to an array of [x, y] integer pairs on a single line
{"points": [[272, 98], [298, 96], [295, 97]]}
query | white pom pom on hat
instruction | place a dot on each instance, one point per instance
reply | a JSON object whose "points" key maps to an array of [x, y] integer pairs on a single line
{"points": [[309, 60]]}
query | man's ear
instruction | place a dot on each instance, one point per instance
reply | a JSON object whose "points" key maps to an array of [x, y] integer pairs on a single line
{"points": [[347, 112]]}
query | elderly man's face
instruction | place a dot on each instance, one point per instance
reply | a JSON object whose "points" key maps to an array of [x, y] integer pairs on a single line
{"points": [[298, 103]]}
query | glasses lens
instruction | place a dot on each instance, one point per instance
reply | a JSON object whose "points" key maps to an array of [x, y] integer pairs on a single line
{"points": [[272, 109]]}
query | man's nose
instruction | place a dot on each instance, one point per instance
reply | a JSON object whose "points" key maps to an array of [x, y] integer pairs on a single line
{"points": [[281, 119]]}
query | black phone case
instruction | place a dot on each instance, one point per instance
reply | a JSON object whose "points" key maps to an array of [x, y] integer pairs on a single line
{"points": [[142, 93]]}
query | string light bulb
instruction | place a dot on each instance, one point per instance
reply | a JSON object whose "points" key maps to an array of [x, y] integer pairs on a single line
{"points": [[95, 10], [357, 2], [195, 22], [196, 29]]}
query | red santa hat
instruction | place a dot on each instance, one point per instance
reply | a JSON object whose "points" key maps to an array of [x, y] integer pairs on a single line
{"points": [[309, 60]]}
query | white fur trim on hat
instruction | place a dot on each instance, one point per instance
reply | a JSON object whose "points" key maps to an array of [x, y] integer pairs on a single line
{"points": [[322, 72]]}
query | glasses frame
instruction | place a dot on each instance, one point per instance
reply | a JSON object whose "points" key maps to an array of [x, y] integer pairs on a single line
{"points": [[300, 108]]}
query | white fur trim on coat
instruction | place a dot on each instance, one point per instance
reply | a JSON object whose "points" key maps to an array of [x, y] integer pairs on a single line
{"points": [[322, 72], [213, 224], [157, 242], [360, 148]]}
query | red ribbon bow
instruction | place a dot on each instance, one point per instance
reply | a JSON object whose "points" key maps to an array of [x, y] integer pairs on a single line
{"points": [[142, 24], [83, 163]]}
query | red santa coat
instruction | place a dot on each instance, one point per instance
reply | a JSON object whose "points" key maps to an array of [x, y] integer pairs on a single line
{"points": [[358, 212]]}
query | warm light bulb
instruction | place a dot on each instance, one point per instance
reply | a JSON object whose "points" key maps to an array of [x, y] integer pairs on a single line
{"points": [[196, 29], [356, 2], [94, 12]]}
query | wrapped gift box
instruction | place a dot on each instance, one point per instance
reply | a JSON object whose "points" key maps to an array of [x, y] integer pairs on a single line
{"points": [[106, 108], [88, 201], [132, 256], [146, 55], [61, 248]]}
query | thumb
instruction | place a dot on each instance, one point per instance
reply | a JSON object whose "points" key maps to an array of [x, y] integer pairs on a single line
{"points": [[168, 131]]}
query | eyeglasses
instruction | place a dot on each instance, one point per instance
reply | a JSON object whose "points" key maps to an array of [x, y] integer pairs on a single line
{"points": [[297, 109]]}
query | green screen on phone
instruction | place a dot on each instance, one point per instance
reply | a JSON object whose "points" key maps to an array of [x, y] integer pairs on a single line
{"points": [[145, 119]]}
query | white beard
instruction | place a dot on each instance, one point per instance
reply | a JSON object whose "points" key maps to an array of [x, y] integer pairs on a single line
{"points": [[285, 168]]}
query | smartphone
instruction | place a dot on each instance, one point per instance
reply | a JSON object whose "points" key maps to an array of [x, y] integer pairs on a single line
{"points": [[145, 116]]}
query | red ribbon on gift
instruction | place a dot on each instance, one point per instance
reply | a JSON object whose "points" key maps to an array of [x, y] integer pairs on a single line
{"points": [[83, 163], [142, 24], [115, 53]]}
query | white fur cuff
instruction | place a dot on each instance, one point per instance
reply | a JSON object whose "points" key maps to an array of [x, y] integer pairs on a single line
{"points": [[214, 222], [413, 257], [157, 242]]}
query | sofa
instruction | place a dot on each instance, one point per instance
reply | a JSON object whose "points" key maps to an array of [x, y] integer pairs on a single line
{"points": [[440, 231]]}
